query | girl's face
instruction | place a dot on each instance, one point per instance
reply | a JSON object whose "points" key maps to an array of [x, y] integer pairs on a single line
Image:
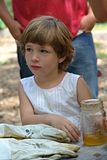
{"points": [[42, 60]]}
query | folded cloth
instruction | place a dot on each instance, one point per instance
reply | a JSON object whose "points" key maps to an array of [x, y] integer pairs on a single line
{"points": [[40, 131], [40, 142], [41, 149]]}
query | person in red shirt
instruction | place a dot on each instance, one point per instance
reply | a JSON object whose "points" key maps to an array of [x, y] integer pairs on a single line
{"points": [[77, 16]]}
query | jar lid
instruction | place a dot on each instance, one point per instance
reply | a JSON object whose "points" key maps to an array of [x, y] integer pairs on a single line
{"points": [[90, 103]]}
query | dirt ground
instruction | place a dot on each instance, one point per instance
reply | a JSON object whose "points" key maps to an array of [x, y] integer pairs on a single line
{"points": [[9, 76]]}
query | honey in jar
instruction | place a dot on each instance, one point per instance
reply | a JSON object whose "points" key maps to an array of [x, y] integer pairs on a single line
{"points": [[92, 116]]}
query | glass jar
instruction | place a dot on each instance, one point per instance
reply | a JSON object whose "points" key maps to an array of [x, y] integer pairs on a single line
{"points": [[92, 122]]}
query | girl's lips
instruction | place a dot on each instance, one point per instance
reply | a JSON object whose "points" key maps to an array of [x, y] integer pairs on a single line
{"points": [[35, 66]]}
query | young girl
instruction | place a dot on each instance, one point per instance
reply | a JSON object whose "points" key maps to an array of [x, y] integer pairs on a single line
{"points": [[52, 96]]}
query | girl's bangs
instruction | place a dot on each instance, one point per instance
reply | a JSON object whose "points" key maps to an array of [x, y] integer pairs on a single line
{"points": [[41, 36]]}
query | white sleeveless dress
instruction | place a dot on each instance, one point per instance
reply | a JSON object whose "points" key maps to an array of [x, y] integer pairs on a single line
{"points": [[60, 100]]}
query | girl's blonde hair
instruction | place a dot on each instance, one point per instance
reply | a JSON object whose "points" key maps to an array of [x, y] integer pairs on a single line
{"points": [[47, 30]]}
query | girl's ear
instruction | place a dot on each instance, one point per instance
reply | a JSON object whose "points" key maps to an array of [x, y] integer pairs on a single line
{"points": [[61, 59]]}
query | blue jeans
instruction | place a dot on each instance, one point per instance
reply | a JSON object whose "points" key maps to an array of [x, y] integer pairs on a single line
{"points": [[85, 61], [24, 70]]}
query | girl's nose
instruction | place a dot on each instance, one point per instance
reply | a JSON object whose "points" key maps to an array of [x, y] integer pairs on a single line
{"points": [[35, 57]]}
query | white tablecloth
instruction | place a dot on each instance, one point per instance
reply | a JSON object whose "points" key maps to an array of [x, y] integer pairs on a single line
{"points": [[5, 151]]}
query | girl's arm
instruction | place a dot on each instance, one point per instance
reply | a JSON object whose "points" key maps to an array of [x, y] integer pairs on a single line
{"points": [[28, 116], [83, 91]]}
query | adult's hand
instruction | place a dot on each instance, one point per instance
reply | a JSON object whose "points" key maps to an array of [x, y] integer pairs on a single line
{"points": [[15, 29], [87, 23]]}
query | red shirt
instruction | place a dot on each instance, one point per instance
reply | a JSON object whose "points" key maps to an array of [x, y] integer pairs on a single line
{"points": [[68, 11]]}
